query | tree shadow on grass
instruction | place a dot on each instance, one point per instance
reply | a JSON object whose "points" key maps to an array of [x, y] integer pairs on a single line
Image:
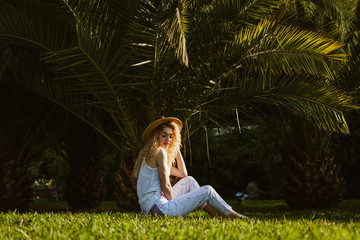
{"points": [[43, 206], [345, 211]]}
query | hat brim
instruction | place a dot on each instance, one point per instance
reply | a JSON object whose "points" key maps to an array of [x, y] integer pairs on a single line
{"points": [[149, 129]]}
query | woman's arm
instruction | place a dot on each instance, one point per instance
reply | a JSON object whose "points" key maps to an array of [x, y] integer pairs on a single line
{"points": [[161, 159], [181, 170]]}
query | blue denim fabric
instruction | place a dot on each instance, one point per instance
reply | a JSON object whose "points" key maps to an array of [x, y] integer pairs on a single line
{"points": [[188, 198]]}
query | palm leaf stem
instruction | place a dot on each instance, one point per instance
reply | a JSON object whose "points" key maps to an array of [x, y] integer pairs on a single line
{"points": [[103, 133], [26, 40]]}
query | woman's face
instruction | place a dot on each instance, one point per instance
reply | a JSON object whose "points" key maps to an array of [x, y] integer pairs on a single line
{"points": [[165, 137]]}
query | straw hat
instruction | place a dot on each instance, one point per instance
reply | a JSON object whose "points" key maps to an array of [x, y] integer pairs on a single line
{"points": [[146, 134]]}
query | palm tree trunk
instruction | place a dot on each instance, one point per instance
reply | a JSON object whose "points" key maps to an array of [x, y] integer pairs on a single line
{"points": [[15, 183], [85, 187], [125, 185], [313, 181]]}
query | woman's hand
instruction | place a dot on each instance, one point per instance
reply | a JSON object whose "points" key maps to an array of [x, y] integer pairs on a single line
{"points": [[181, 170], [161, 159]]}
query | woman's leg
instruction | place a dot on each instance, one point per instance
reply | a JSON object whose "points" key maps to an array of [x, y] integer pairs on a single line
{"points": [[189, 184], [186, 185], [211, 211], [190, 201]]}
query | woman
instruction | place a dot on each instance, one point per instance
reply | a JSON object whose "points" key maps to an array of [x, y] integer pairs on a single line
{"points": [[153, 168]]}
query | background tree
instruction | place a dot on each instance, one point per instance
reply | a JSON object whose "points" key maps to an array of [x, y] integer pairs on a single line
{"points": [[234, 159], [116, 65], [313, 175], [51, 165], [346, 150], [345, 147]]}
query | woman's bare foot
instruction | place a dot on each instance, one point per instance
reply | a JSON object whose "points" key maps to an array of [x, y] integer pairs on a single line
{"points": [[213, 213], [234, 214]]}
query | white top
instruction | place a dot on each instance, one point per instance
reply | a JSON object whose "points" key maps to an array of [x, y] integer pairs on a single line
{"points": [[148, 187]]}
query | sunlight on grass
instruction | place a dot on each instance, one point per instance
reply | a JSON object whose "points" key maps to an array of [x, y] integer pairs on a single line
{"points": [[268, 220]]}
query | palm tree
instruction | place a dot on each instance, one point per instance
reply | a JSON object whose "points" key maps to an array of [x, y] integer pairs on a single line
{"points": [[126, 62], [313, 178], [348, 79]]}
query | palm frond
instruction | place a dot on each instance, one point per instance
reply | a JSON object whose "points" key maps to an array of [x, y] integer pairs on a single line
{"points": [[172, 20], [219, 20], [300, 97], [284, 49], [37, 28], [235, 12], [334, 9], [33, 39]]}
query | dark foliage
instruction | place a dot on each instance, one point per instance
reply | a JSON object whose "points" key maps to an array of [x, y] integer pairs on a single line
{"points": [[346, 148], [85, 187], [237, 159], [23, 135]]}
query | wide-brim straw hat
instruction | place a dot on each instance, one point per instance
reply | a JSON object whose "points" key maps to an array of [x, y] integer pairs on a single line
{"points": [[149, 129]]}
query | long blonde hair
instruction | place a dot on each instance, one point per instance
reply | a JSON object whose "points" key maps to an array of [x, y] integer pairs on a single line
{"points": [[148, 151]]}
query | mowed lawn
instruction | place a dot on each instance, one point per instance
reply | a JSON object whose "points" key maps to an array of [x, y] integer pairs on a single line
{"points": [[267, 220]]}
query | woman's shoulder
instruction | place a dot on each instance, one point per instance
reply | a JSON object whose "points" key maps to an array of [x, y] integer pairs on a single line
{"points": [[160, 156], [160, 152]]}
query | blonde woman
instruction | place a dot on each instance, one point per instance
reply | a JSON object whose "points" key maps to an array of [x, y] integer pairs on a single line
{"points": [[153, 168]]}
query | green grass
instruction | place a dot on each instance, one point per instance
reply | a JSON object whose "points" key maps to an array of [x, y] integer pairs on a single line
{"points": [[268, 220]]}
